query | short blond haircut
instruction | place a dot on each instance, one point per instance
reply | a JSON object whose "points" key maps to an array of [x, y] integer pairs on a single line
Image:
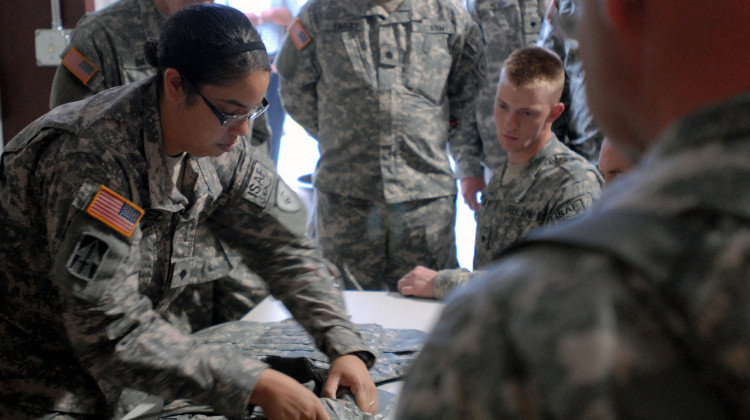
{"points": [[531, 67]]}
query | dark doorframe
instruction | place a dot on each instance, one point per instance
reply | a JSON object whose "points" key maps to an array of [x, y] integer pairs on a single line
{"points": [[24, 86]]}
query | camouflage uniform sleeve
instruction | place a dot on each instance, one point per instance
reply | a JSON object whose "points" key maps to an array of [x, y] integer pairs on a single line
{"points": [[299, 72], [576, 196], [67, 87], [465, 79], [116, 334], [265, 220], [447, 280]]}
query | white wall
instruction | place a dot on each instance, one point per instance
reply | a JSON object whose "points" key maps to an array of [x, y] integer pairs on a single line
{"points": [[101, 4]]}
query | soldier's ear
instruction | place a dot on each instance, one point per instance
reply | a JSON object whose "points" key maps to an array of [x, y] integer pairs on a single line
{"points": [[557, 110], [173, 86]]}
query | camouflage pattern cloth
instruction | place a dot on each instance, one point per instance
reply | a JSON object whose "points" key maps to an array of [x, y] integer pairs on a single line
{"points": [[84, 287], [286, 347], [576, 126], [380, 91], [112, 41], [350, 230], [556, 185], [637, 310], [394, 349], [507, 25]]}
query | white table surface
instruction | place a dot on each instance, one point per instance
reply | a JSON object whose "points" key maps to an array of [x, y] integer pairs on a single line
{"points": [[389, 309]]}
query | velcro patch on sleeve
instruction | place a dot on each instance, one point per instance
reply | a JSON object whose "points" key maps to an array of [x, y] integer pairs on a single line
{"points": [[258, 189], [286, 199], [80, 66], [115, 211], [298, 34]]}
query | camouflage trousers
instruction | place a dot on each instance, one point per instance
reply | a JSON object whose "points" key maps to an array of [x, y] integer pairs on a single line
{"points": [[375, 244]]}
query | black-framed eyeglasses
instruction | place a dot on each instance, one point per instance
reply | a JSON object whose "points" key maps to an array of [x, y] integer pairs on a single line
{"points": [[229, 120]]}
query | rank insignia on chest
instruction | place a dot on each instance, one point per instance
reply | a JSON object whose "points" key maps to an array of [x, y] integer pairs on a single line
{"points": [[298, 35], [115, 211]]}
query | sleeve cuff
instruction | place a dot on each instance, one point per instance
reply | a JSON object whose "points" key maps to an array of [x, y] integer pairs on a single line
{"points": [[447, 280], [348, 342]]}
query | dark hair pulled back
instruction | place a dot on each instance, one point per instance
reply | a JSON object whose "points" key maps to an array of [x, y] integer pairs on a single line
{"points": [[208, 44]]}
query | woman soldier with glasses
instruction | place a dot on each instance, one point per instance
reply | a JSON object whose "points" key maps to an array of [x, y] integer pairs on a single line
{"points": [[99, 202]]}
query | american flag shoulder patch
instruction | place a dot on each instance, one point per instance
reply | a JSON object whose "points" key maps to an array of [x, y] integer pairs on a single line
{"points": [[298, 34], [79, 65], [115, 211]]}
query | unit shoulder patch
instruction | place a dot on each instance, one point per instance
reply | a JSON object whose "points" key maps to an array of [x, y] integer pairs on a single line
{"points": [[87, 257]]}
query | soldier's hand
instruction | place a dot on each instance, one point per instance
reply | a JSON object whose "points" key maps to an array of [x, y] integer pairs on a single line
{"points": [[283, 398], [350, 371], [419, 282], [470, 187]]}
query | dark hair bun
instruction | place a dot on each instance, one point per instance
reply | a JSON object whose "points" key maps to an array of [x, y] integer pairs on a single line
{"points": [[150, 50]]}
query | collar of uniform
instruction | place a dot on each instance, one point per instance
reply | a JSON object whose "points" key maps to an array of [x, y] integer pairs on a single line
{"points": [[162, 193], [700, 162], [210, 177], [523, 182], [403, 13]]}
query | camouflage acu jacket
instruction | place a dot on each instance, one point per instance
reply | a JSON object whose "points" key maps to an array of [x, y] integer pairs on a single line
{"points": [[379, 91], [556, 185], [637, 310], [97, 241]]}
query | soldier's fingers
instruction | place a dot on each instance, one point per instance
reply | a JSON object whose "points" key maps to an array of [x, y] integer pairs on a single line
{"points": [[406, 291], [332, 384], [366, 396]]}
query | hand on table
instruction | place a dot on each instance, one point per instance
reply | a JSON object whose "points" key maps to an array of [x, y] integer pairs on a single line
{"points": [[419, 282]]}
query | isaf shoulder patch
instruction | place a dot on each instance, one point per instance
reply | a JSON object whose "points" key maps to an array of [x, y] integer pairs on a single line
{"points": [[298, 34], [80, 66], [258, 189], [115, 211], [569, 210]]}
